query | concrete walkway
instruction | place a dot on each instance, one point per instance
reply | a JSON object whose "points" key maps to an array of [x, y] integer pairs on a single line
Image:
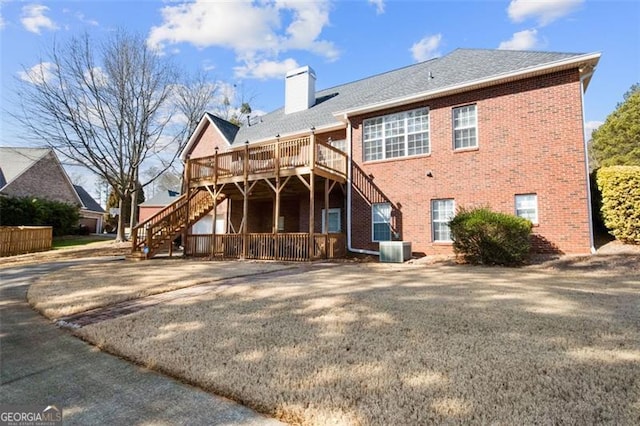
{"points": [[42, 364]]}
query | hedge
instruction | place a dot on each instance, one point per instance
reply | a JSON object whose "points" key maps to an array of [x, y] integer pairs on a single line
{"points": [[482, 236], [620, 188], [26, 211]]}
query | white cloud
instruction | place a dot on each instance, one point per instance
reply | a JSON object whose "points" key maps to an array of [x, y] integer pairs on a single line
{"points": [[37, 74], [379, 4], [544, 11], [590, 126], [82, 18], [265, 69], [34, 18], [254, 30], [522, 40], [427, 48]]}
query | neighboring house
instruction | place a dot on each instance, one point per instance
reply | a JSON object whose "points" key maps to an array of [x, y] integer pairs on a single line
{"points": [[393, 156], [37, 172], [156, 203]]}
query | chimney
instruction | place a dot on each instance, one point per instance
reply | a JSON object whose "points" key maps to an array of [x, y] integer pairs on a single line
{"points": [[300, 90]]}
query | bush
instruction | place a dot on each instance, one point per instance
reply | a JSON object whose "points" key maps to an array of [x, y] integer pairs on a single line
{"points": [[35, 212], [482, 236], [620, 188]]}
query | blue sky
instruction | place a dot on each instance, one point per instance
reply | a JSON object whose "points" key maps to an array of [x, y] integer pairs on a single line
{"points": [[252, 44]]}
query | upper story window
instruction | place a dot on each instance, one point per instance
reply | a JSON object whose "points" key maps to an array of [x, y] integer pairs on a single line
{"points": [[396, 135], [527, 207], [465, 127]]}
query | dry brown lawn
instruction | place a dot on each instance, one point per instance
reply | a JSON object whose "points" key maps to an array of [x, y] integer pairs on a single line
{"points": [[406, 344], [80, 288]]}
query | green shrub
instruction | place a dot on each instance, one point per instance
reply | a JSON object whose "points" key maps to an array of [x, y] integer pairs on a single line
{"points": [[27, 211], [482, 236], [620, 188]]}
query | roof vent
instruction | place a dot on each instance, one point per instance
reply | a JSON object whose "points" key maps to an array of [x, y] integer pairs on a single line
{"points": [[300, 90]]}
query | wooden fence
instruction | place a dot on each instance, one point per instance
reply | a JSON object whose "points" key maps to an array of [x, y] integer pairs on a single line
{"points": [[16, 240]]}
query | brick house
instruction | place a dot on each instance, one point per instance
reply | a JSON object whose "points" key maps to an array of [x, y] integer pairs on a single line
{"points": [[392, 156], [37, 172]]}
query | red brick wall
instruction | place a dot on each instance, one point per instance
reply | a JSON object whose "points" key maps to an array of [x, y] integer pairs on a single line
{"points": [[45, 179], [210, 138], [530, 140]]}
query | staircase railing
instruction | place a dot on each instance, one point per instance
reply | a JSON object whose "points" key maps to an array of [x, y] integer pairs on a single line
{"points": [[150, 235]]}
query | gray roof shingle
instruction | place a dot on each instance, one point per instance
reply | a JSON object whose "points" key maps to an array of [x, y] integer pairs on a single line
{"points": [[458, 67], [162, 198], [87, 200], [228, 129]]}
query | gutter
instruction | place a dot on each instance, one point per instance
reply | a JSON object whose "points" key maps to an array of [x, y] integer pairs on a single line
{"points": [[349, 196], [586, 163]]}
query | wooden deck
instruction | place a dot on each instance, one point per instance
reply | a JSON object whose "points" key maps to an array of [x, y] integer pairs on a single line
{"points": [[300, 156]]}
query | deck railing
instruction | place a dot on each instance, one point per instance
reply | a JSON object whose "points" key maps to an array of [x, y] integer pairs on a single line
{"points": [[269, 159], [282, 246], [165, 224]]}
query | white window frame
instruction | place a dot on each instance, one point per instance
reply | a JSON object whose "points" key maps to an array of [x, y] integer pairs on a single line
{"points": [[473, 126], [373, 221], [532, 196], [439, 220], [332, 211], [382, 139]]}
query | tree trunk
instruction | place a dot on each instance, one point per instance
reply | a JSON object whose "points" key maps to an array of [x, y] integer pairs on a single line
{"points": [[133, 218], [120, 235]]}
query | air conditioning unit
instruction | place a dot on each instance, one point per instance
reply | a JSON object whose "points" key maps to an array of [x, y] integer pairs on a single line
{"points": [[395, 251]]}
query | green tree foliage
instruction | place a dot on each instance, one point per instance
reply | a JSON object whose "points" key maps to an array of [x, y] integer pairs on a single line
{"points": [[482, 236], [620, 188], [617, 141], [26, 211]]}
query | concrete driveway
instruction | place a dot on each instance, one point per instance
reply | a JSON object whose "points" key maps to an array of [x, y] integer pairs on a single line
{"points": [[42, 364]]}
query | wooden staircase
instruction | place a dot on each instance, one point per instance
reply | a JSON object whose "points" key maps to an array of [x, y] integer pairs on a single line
{"points": [[158, 232]]}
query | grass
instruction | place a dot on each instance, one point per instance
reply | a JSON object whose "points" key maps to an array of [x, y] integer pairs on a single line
{"points": [[405, 344], [68, 241], [80, 288]]}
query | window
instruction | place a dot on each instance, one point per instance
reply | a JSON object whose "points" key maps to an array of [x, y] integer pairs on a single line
{"points": [[281, 224], [396, 135], [527, 207], [381, 219], [442, 211], [465, 126], [334, 221]]}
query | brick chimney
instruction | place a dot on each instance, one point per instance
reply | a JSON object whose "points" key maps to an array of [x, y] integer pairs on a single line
{"points": [[300, 89]]}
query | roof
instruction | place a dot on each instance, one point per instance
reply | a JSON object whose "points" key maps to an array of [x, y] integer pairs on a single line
{"points": [[228, 129], [88, 202], [161, 198], [15, 161], [460, 70]]}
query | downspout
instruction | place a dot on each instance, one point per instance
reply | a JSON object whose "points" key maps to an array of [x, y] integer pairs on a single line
{"points": [[586, 164], [349, 196]]}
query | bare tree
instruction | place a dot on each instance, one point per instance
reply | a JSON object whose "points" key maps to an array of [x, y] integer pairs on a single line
{"points": [[106, 106], [195, 96]]}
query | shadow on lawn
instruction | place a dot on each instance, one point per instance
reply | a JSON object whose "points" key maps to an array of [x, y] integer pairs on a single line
{"points": [[368, 344]]}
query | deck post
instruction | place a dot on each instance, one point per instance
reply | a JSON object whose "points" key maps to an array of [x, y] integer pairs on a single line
{"points": [[245, 204], [215, 216], [276, 201], [312, 191], [215, 203], [325, 217], [185, 231]]}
